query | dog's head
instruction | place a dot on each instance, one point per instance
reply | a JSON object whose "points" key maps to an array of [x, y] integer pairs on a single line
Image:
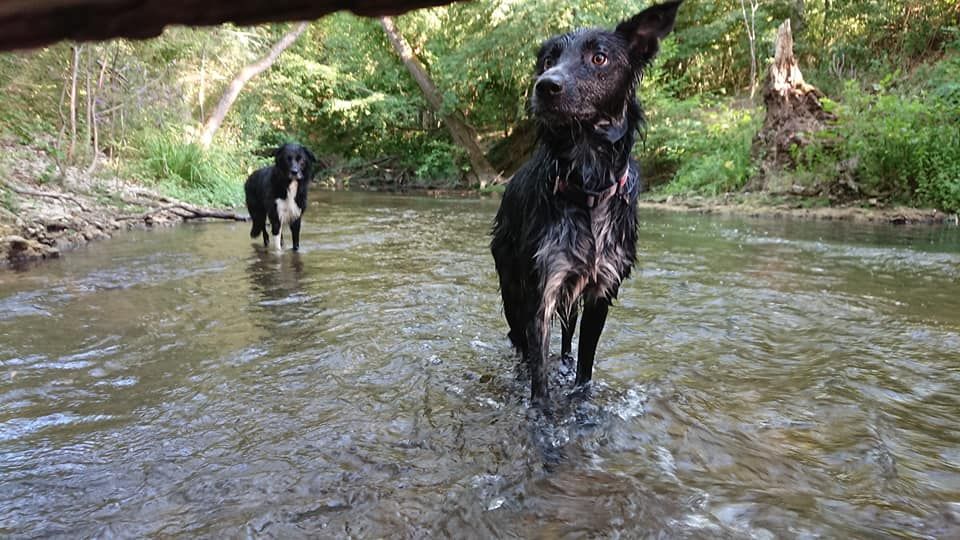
{"points": [[294, 161], [590, 75]]}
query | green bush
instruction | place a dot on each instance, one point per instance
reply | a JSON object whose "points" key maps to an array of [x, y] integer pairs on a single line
{"points": [[439, 162], [906, 149], [186, 171], [699, 148]]}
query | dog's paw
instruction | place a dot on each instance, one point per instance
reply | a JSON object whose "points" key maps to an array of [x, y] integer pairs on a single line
{"points": [[581, 392]]}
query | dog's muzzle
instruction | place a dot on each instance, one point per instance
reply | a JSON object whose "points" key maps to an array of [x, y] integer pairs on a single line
{"points": [[548, 87]]}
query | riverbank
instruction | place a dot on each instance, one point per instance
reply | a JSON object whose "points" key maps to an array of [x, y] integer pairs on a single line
{"points": [[757, 205], [45, 210], [779, 207]]}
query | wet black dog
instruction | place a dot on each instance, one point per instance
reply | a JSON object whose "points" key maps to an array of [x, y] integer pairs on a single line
{"points": [[279, 193], [566, 230]]}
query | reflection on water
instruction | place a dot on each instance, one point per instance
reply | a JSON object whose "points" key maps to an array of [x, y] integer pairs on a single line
{"points": [[757, 379]]}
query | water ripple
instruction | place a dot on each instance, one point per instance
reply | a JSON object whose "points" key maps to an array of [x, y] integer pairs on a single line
{"points": [[758, 379]]}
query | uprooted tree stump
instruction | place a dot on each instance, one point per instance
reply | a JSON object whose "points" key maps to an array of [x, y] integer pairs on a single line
{"points": [[794, 112]]}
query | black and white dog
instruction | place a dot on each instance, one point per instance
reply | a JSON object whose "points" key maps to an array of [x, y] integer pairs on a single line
{"points": [[566, 230], [279, 192]]}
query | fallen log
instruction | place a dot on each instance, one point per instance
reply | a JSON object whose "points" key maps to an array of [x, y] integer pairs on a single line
{"points": [[186, 212], [20, 190]]}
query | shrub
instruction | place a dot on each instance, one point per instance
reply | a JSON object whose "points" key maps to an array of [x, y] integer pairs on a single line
{"points": [[701, 149], [185, 170], [906, 148]]}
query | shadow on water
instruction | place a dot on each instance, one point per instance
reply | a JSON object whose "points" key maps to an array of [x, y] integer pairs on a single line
{"points": [[757, 379]]}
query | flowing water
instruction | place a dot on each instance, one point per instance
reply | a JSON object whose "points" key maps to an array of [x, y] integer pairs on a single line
{"points": [[757, 379]]}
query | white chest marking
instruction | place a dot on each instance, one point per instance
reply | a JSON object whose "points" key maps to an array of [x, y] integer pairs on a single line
{"points": [[287, 208]]}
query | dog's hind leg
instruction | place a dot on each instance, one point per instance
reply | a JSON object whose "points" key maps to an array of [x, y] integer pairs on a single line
{"points": [[256, 228], [594, 317]]}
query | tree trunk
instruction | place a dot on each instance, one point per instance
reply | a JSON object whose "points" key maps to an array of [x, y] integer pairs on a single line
{"points": [[249, 72], [751, 26], [456, 124], [75, 69], [95, 95], [202, 96], [794, 111]]}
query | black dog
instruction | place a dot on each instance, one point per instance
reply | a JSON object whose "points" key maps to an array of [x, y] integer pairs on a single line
{"points": [[566, 230], [279, 192]]}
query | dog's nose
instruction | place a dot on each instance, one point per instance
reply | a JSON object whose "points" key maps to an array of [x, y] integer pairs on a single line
{"points": [[549, 86]]}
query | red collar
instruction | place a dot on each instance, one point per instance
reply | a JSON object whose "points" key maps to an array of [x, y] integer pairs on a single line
{"points": [[590, 199]]}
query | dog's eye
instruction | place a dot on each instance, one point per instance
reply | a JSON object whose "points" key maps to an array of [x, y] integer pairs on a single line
{"points": [[599, 59], [548, 63]]}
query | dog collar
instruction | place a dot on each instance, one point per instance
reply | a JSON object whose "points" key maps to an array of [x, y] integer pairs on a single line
{"points": [[586, 198]]}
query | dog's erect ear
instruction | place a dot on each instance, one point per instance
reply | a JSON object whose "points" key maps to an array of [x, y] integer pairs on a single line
{"points": [[644, 31]]}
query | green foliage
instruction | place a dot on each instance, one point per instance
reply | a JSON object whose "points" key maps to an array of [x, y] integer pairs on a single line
{"points": [[49, 174], [341, 90], [186, 171], [906, 148], [28, 82], [8, 200], [698, 148], [866, 40], [440, 161]]}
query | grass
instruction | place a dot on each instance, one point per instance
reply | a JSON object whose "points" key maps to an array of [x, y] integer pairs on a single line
{"points": [[184, 170], [8, 200], [694, 147]]}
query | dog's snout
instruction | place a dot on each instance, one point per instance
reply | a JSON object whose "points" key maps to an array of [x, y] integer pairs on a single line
{"points": [[549, 86]]}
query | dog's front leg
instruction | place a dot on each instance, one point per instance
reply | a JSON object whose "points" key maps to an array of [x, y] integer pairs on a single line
{"points": [[543, 307], [276, 228], [295, 233], [538, 343], [594, 317], [566, 332]]}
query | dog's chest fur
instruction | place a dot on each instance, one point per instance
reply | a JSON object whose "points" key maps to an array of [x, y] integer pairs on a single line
{"points": [[581, 254], [287, 209]]}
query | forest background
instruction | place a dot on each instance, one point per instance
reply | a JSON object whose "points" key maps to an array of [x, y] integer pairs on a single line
{"points": [[889, 72]]}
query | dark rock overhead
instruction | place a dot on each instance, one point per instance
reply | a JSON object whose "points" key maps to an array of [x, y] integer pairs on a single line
{"points": [[33, 23]]}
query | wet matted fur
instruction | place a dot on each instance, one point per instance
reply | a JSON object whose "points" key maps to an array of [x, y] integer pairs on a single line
{"points": [[279, 193], [566, 232]]}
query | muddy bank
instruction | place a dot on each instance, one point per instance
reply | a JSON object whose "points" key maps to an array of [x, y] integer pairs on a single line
{"points": [[766, 206], [45, 210]]}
